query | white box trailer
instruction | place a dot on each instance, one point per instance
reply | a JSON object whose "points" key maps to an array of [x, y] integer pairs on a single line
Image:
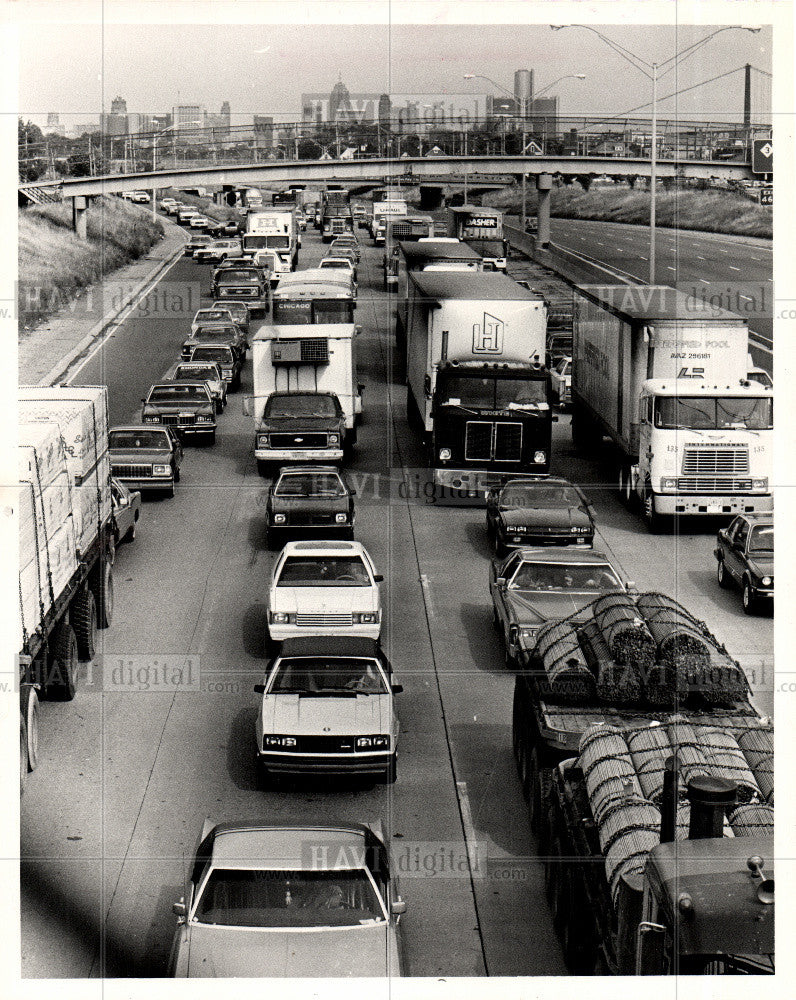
{"points": [[318, 357], [65, 544], [273, 229], [665, 377], [477, 388]]}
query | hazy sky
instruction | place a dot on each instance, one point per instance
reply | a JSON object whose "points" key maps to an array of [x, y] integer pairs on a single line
{"points": [[78, 68]]}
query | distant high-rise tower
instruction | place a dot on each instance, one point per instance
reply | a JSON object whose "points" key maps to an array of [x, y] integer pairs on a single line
{"points": [[118, 106], [385, 109], [523, 90], [225, 113], [340, 103]]}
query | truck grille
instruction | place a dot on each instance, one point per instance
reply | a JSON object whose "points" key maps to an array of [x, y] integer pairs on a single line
{"points": [[243, 293], [713, 484], [131, 471], [727, 461], [306, 620], [485, 441], [310, 440], [478, 441]]}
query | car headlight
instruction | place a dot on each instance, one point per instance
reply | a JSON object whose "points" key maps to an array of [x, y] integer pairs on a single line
{"points": [[540, 457], [365, 617], [380, 742], [281, 618], [760, 484], [767, 581], [516, 529], [203, 418], [279, 518], [262, 440], [668, 484], [579, 530], [444, 454], [334, 438], [340, 518], [151, 418], [161, 470], [278, 741]]}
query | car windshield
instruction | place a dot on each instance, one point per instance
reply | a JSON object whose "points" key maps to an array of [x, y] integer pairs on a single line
{"points": [[310, 484], [177, 394], [237, 274], [327, 676], [201, 240], [725, 413], [212, 316], [324, 571], [761, 538], [196, 372], [514, 497], [208, 332], [564, 577], [139, 439], [222, 354], [237, 310], [309, 405], [245, 898], [336, 263], [491, 393]]}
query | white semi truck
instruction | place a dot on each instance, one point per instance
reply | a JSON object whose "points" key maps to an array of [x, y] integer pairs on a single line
{"points": [[665, 377], [273, 229], [65, 545], [478, 390]]}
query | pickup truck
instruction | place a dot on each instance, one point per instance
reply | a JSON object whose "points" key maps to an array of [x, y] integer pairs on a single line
{"points": [[242, 283], [301, 426]]}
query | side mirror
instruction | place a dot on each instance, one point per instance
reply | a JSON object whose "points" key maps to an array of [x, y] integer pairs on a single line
{"points": [[360, 385], [398, 907], [352, 493], [357, 331], [397, 688], [259, 688], [500, 583], [179, 909], [554, 418], [379, 578], [630, 586], [248, 406]]}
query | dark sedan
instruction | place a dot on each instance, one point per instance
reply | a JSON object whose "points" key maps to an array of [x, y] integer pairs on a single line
{"points": [[538, 511], [745, 554], [187, 407], [145, 458], [216, 333], [533, 586], [307, 499], [239, 312]]}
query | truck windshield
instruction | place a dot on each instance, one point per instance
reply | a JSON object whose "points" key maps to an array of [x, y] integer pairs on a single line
{"points": [[309, 484], [724, 413], [492, 393], [305, 312], [298, 405]]}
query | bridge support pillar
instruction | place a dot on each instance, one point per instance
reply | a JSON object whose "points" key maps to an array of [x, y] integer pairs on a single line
{"points": [[430, 197], [79, 222], [544, 185]]}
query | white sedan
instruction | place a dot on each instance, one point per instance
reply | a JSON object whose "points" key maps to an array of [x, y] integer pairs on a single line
{"points": [[324, 588], [199, 222]]}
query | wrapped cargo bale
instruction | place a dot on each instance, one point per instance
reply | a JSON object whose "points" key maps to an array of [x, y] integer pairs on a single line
{"points": [[725, 759], [569, 679], [752, 820], [758, 748], [660, 685], [679, 638], [627, 835], [690, 752], [607, 769], [649, 750], [624, 631], [81, 413], [724, 681], [617, 684]]}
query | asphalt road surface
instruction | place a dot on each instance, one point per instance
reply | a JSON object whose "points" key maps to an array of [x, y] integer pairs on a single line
{"points": [[111, 816]]}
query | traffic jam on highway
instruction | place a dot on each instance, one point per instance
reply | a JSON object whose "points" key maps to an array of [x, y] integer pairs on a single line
{"points": [[554, 435]]}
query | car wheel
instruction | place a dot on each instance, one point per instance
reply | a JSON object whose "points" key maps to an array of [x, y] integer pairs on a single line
{"points": [[391, 774], [262, 468], [262, 776], [210, 438], [176, 474], [748, 598], [722, 576], [130, 536]]}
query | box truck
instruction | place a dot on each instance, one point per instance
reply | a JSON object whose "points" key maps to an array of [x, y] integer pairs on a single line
{"points": [[665, 377], [478, 390], [273, 229], [482, 228], [406, 229], [65, 544]]}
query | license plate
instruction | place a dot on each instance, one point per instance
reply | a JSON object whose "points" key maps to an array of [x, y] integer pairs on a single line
{"points": [[713, 508]]}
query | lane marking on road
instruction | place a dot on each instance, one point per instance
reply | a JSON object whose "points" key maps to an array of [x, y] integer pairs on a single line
{"points": [[733, 268], [467, 822], [670, 268], [424, 583], [704, 281], [700, 257]]}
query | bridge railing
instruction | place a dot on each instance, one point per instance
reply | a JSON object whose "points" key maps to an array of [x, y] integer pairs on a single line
{"points": [[535, 135]]}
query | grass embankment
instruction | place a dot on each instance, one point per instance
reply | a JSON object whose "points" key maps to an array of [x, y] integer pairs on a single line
{"points": [[707, 211], [54, 265]]}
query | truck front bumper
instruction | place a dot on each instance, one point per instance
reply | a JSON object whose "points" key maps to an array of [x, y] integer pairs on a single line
{"points": [[308, 455], [461, 484], [705, 504]]}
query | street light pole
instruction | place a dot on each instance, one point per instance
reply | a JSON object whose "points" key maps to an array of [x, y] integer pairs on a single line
{"points": [[653, 171]]}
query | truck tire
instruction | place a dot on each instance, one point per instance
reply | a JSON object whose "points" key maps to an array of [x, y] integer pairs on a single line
{"points": [[62, 679], [23, 754], [652, 518], [263, 468], [29, 707], [103, 594], [625, 484], [577, 931], [84, 622]]}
